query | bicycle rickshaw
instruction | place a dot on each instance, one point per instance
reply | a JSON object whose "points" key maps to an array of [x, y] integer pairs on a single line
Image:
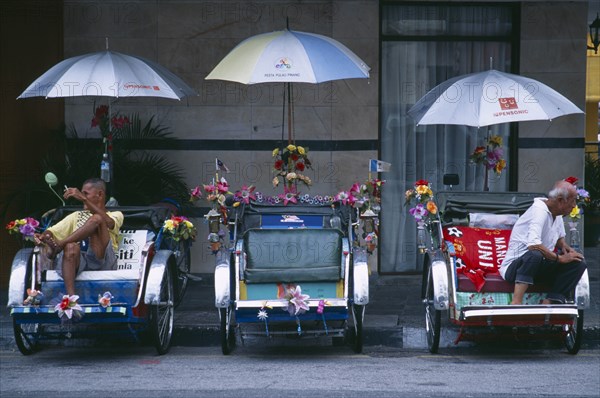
{"points": [[292, 271], [471, 232], [137, 300]]}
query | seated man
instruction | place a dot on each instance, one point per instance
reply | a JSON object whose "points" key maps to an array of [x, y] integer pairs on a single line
{"points": [[531, 258], [94, 224]]}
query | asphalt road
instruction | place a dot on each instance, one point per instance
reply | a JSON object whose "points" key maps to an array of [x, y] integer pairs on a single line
{"points": [[282, 371]]}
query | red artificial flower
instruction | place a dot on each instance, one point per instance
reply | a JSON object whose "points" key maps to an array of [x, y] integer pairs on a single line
{"points": [[421, 182], [119, 122], [572, 180], [294, 157], [64, 304], [278, 164], [100, 113], [300, 166]]}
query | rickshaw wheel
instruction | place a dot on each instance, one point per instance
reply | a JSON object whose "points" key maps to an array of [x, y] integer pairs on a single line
{"points": [[184, 262], [227, 331], [432, 317], [574, 334], [358, 312], [162, 314], [26, 336]]}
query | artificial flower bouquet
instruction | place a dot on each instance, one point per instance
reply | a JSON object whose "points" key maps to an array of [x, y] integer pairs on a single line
{"points": [[490, 155], [583, 199], [421, 198], [179, 228], [26, 227], [288, 167]]}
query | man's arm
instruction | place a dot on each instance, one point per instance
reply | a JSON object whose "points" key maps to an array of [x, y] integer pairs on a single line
{"points": [[90, 205]]}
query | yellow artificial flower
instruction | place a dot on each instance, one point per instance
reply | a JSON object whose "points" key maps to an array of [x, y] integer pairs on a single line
{"points": [[169, 225], [500, 166], [423, 190], [275, 152], [575, 213], [301, 150], [496, 139], [275, 182], [291, 148]]}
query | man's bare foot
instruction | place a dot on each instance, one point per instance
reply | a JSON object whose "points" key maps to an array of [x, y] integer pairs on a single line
{"points": [[53, 247], [546, 301], [515, 302]]}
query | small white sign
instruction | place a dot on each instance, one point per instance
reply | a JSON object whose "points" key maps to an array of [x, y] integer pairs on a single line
{"points": [[131, 244]]}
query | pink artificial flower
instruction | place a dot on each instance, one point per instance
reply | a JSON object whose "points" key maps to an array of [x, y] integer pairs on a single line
{"points": [[288, 195], [298, 302], [355, 188], [222, 186], [209, 188], [196, 193], [246, 193]]}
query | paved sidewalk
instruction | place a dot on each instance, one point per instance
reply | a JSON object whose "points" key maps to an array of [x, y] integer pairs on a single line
{"points": [[394, 316]]}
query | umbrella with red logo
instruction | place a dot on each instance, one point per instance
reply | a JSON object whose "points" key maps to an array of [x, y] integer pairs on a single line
{"points": [[489, 98]]}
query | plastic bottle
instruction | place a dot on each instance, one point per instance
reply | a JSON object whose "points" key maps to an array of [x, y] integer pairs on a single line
{"points": [[105, 168], [575, 239]]}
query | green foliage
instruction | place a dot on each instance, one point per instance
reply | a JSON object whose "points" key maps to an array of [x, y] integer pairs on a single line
{"points": [[140, 177]]}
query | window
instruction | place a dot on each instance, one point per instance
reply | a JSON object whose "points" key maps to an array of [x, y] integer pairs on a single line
{"points": [[424, 44]]}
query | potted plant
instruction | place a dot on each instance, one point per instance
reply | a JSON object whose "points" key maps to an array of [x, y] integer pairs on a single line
{"points": [[591, 231]]}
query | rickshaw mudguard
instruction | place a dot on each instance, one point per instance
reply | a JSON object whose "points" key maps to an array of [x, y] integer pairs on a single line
{"points": [[222, 280], [361, 279], [18, 273], [582, 291], [439, 272], [155, 276]]}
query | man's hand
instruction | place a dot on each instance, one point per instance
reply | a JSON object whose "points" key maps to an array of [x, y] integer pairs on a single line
{"points": [[570, 256], [74, 193]]}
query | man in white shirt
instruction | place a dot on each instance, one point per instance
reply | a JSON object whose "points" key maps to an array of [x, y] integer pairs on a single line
{"points": [[531, 255]]}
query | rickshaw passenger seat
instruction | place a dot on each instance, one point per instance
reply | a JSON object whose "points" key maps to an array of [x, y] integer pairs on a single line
{"points": [[292, 255]]}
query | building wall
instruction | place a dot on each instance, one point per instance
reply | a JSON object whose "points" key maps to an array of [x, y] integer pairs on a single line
{"points": [[553, 51], [234, 122]]}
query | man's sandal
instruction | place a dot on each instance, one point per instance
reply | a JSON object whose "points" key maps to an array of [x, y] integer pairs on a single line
{"points": [[53, 247]]}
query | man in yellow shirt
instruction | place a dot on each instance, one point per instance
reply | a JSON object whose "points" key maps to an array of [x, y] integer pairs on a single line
{"points": [[94, 224]]}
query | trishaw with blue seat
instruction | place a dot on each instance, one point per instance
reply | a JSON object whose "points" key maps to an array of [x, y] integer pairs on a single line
{"points": [[136, 299], [293, 270]]}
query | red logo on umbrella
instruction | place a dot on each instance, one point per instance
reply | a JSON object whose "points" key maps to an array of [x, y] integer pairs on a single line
{"points": [[508, 103]]}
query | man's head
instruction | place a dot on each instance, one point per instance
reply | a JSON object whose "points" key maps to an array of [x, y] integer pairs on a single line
{"points": [[562, 198], [94, 189]]}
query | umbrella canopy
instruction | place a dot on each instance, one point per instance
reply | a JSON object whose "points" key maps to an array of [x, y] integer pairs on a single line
{"points": [[110, 74], [491, 97], [289, 56]]}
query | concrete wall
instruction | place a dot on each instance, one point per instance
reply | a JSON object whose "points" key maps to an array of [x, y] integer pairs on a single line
{"points": [[553, 51]]}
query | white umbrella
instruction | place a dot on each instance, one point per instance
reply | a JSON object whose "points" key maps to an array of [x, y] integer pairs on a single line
{"points": [[290, 57], [490, 97], [110, 74]]}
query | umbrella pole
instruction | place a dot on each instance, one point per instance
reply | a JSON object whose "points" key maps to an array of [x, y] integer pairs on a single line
{"points": [[487, 151], [290, 104]]}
